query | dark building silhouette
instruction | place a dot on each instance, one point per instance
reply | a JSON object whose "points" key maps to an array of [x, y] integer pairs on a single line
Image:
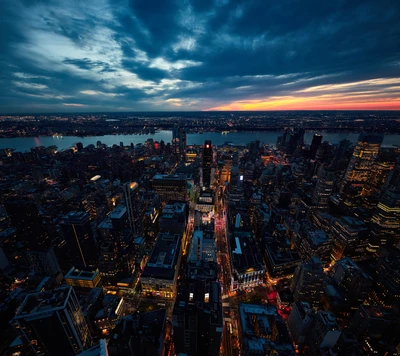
{"points": [[316, 142], [81, 244], [197, 319], [51, 323], [24, 216]]}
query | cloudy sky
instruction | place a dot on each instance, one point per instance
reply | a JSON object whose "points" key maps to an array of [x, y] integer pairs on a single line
{"points": [[121, 55]]}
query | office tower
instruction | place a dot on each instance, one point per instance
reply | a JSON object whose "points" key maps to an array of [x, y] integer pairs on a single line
{"points": [[386, 288], [116, 243], [349, 236], [132, 198], [315, 143], [44, 262], [207, 162], [393, 180], [51, 323], [183, 144], [323, 334], [109, 262], [308, 282], [170, 187], [385, 222], [362, 161], [323, 188], [376, 180], [178, 141], [197, 318], [81, 244], [311, 242], [161, 272], [352, 283], [301, 319]]}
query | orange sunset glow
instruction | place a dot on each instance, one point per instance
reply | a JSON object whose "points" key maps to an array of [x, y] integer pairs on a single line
{"points": [[375, 94]]}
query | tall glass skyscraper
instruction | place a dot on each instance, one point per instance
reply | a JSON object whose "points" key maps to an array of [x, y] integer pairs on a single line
{"points": [[207, 161]]}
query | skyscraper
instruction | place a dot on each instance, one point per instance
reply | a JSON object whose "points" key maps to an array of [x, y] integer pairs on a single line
{"points": [[323, 188], [350, 238], [197, 318], [178, 141], [316, 142], [80, 240], [170, 187], [307, 284], [133, 206], [362, 161], [51, 323], [44, 263], [385, 222], [207, 161]]}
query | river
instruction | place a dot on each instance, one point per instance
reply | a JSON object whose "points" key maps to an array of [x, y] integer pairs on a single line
{"points": [[24, 144]]}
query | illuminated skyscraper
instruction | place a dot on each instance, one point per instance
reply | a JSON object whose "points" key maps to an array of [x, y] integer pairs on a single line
{"points": [[362, 161], [207, 161], [385, 223]]}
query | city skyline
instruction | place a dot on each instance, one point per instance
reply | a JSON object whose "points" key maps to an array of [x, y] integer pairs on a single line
{"points": [[198, 56]]}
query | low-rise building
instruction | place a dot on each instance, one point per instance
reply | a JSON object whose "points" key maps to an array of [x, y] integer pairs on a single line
{"points": [[248, 269], [83, 279], [263, 331]]}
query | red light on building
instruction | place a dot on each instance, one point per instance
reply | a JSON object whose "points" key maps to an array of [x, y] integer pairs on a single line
{"points": [[207, 146], [156, 145]]}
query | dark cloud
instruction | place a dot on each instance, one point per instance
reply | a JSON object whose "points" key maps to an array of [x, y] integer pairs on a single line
{"points": [[201, 53]]}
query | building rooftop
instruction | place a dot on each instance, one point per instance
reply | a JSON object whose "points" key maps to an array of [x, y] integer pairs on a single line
{"points": [[162, 260], [257, 332], [41, 302], [82, 275], [75, 216], [118, 212], [245, 252], [378, 312], [170, 177], [329, 320], [318, 237]]}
